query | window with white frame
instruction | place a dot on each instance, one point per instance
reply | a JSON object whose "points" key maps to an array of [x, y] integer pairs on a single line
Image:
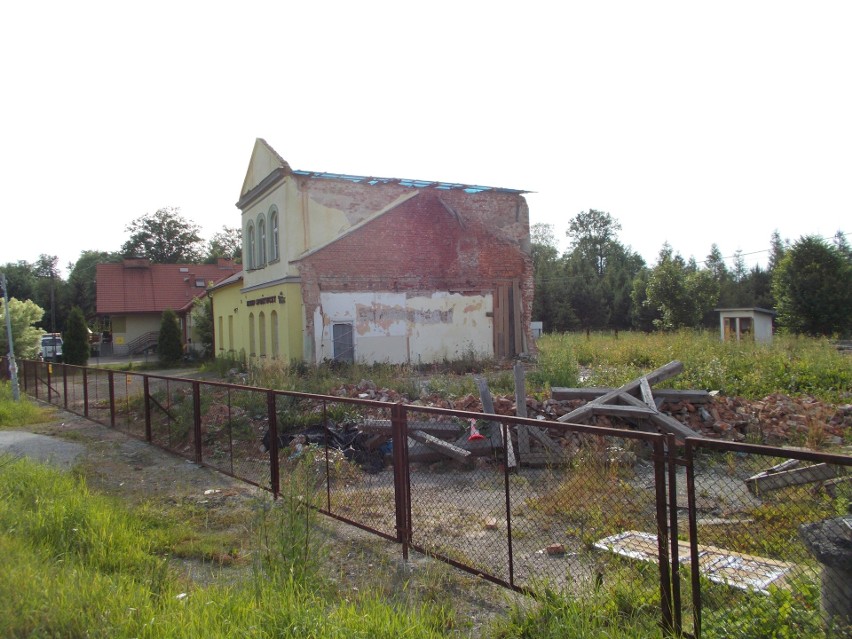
{"points": [[261, 242], [274, 241], [250, 248]]}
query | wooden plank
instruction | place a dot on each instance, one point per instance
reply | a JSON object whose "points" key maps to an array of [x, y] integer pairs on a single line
{"points": [[439, 445], [740, 570], [518, 318], [562, 393], [439, 429], [615, 410], [664, 422], [541, 436], [766, 481], [664, 372], [521, 409], [647, 395], [496, 428]]}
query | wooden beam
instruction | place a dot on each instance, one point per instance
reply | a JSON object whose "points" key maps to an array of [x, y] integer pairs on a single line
{"points": [[541, 436], [439, 429], [664, 422], [664, 372], [768, 480], [496, 429], [561, 393], [439, 445], [647, 395], [521, 409]]}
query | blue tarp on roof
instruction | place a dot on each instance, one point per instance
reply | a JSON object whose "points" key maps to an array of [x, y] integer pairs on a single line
{"points": [[415, 184]]}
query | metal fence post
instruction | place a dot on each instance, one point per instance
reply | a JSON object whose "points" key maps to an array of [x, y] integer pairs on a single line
{"points": [[274, 473], [65, 386], [663, 534], [672, 463], [49, 383], [146, 403], [507, 485], [196, 419], [689, 454], [111, 382], [401, 477], [86, 392]]}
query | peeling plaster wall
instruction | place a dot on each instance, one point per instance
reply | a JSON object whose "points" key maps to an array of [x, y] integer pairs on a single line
{"points": [[406, 327]]}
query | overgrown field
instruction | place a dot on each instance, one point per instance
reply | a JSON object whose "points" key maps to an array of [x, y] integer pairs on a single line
{"points": [[789, 364]]}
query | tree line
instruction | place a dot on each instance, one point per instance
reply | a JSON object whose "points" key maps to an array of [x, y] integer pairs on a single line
{"points": [[598, 283], [164, 237]]}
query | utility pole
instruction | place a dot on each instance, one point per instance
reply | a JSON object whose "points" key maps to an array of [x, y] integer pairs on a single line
{"points": [[13, 367]]}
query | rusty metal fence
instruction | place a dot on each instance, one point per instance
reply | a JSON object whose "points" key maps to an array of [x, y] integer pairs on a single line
{"points": [[726, 534]]}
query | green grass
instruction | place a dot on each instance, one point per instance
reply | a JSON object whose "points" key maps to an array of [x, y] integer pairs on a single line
{"points": [[15, 414], [78, 564]]}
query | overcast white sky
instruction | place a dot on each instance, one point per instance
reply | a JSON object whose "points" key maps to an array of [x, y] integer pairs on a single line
{"points": [[690, 123]]}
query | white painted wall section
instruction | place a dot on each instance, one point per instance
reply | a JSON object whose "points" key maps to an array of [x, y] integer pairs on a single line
{"points": [[407, 327]]}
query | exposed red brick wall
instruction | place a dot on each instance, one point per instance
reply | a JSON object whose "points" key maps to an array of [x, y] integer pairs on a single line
{"points": [[422, 245]]}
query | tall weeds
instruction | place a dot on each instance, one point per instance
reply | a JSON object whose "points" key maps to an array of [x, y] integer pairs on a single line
{"points": [[789, 364]]}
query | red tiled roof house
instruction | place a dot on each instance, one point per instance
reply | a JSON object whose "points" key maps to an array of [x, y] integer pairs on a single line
{"points": [[132, 295]]}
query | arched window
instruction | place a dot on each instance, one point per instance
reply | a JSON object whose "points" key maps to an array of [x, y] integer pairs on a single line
{"points": [[261, 331], [274, 241], [273, 332], [249, 248], [251, 335], [261, 242]]}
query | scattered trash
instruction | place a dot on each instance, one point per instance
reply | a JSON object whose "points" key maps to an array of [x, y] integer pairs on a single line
{"points": [[474, 433]]}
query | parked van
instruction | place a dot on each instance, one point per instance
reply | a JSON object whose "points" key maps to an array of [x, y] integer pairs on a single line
{"points": [[51, 347]]}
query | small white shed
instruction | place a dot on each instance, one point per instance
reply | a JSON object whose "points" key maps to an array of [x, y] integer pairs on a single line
{"points": [[745, 323]]}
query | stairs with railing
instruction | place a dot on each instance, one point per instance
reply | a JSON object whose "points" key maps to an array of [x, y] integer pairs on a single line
{"points": [[142, 343]]}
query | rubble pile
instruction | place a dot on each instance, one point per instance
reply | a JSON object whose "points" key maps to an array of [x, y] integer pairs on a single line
{"points": [[774, 419]]}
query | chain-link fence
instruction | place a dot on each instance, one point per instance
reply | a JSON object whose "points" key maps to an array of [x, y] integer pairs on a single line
{"points": [[737, 539], [770, 548]]}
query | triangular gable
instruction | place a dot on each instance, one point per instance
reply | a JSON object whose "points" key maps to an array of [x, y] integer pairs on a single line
{"points": [[435, 202], [390, 207], [264, 161]]}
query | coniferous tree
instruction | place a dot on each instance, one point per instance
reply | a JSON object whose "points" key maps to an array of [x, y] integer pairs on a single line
{"points": [[75, 339], [812, 285], [169, 347]]}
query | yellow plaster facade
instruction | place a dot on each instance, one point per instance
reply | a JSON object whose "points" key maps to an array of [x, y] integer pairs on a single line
{"points": [[257, 325]]}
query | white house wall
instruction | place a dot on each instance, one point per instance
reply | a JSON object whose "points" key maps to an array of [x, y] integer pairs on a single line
{"points": [[400, 328]]}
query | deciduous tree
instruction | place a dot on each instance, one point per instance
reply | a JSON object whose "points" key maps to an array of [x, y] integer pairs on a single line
{"points": [[26, 336], [679, 292], [202, 322], [227, 243], [164, 237]]}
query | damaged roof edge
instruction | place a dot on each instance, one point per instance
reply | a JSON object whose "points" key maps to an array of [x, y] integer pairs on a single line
{"points": [[416, 184]]}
